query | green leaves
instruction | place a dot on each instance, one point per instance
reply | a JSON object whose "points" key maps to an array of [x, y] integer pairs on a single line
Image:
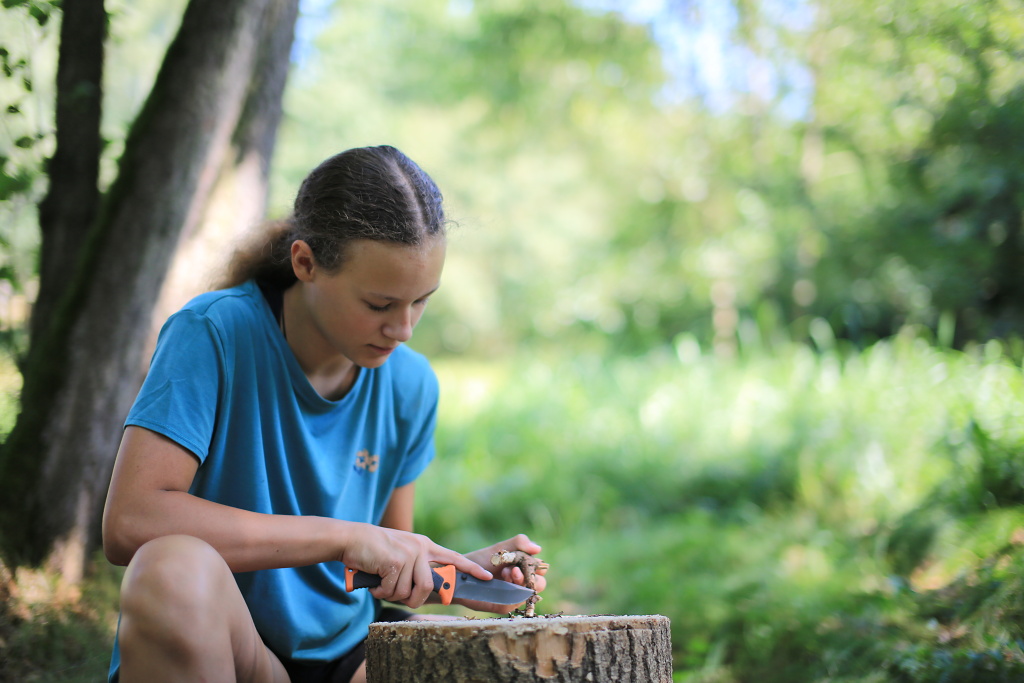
{"points": [[13, 182], [40, 10], [620, 215]]}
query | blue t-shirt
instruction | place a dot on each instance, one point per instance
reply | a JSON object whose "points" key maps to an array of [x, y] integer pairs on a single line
{"points": [[224, 384]]}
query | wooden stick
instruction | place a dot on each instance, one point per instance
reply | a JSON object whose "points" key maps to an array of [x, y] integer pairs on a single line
{"points": [[529, 565]]}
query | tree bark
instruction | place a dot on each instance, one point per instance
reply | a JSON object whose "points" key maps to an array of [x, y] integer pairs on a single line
{"points": [[594, 649], [238, 201], [83, 372], [73, 196]]}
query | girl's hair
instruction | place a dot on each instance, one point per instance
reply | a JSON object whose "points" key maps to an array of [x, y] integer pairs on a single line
{"points": [[374, 193]]}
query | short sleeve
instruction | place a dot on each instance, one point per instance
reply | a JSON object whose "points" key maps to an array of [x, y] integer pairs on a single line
{"points": [[180, 394], [417, 419]]}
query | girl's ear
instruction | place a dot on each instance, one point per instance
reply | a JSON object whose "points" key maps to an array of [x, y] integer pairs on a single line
{"points": [[303, 262]]}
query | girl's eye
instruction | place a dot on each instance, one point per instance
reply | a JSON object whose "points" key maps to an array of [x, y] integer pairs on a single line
{"points": [[387, 307]]}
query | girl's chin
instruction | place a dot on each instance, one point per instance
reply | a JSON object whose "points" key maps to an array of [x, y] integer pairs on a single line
{"points": [[376, 355]]}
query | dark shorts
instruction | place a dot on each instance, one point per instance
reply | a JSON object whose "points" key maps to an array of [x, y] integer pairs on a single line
{"points": [[342, 669]]}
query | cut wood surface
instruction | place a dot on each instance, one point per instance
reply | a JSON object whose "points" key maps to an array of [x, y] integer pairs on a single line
{"points": [[556, 649]]}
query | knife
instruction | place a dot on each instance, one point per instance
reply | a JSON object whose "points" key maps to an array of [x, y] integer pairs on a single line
{"points": [[450, 583]]}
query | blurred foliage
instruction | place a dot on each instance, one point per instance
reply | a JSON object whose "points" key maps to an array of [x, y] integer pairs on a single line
{"points": [[941, 132], [862, 166], [509, 108], [799, 515], [139, 31], [624, 173], [28, 63]]}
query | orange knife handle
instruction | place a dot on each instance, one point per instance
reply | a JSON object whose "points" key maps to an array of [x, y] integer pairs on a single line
{"points": [[356, 579], [444, 583], [350, 579]]}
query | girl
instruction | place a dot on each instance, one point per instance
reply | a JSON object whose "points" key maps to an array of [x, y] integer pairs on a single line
{"points": [[277, 439]]}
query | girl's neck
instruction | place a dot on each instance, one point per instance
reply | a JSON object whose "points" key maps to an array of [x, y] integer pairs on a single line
{"points": [[330, 373]]}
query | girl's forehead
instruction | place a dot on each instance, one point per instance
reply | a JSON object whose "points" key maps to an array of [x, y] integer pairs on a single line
{"points": [[386, 267]]}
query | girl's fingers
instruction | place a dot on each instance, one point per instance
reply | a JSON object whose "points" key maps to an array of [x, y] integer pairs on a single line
{"points": [[523, 542], [386, 589], [464, 564], [423, 584], [412, 582], [513, 574]]}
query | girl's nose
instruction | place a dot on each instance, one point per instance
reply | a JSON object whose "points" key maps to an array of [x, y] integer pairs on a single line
{"points": [[400, 327]]}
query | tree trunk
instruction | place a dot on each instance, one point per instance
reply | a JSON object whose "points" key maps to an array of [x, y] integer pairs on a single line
{"points": [[73, 196], [239, 198], [598, 649], [83, 372]]}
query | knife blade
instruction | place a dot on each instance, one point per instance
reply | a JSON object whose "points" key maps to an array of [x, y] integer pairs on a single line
{"points": [[450, 583]]}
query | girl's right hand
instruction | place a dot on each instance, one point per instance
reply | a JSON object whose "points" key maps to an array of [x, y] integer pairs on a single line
{"points": [[402, 559]]}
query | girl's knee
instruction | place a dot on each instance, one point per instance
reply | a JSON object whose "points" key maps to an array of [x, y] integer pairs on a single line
{"points": [[179, 609], [174, 576]]}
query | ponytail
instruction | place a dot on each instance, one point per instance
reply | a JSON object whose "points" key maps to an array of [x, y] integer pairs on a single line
{"points": [[265, 257]]}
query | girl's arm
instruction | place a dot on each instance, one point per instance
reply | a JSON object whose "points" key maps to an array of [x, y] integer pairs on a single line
{"points": [[399, 512], [148, 498]]}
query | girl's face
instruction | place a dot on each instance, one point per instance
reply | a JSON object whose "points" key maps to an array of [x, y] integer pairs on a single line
{"points": [[370, 306]]}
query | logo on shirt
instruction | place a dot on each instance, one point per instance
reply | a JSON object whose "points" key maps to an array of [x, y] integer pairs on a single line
{"points": [[366, 462]]}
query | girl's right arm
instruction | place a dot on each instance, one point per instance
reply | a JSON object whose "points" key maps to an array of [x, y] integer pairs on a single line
{"points": [[149, 498]]}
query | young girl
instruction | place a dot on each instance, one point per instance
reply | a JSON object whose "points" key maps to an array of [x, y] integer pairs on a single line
{"points": [[277, 439]]}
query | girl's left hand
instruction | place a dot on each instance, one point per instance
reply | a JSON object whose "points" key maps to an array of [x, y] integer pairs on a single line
{"points": [[505, 572]]}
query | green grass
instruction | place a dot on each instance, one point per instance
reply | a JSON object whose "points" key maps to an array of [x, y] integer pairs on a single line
{"points": [[54, 633], [51, 632], [789, 511], [799, 515]]}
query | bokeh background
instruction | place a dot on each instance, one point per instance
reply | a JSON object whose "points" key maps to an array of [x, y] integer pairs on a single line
{"points": [[730, 322]]}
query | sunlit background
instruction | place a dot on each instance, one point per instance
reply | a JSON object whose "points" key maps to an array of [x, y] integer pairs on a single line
{"points": [[730, 319]]}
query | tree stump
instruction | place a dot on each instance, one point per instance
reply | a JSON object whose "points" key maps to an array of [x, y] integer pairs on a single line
{"points": [[554, 649]]}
